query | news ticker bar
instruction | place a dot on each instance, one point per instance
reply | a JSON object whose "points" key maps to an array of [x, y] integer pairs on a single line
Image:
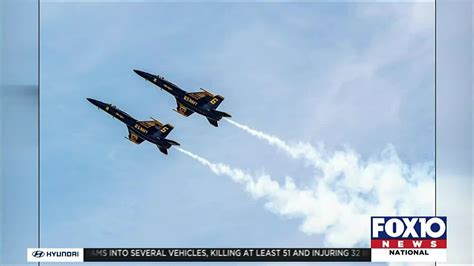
{"points": [[227, 254], [199, 254]]}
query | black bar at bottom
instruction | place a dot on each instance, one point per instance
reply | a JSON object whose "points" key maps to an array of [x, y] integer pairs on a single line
{"points": [[226, 254]]}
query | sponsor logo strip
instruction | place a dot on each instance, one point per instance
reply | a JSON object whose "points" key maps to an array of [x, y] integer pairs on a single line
{"points": [[55, 254]]}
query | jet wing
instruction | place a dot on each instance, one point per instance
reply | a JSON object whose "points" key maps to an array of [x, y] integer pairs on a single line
{"points": [[200, 96], [150, 124], [183, 109], [207, 98], [134, 137]]}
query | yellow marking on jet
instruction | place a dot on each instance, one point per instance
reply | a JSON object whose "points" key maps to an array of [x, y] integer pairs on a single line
{"points": [[168, 87], [119, 115], [189, 100], [141, 129]]}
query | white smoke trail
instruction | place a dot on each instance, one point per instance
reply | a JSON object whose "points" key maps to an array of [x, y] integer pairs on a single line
{"points": [[298, 150], [340, 202], [237, 175]]}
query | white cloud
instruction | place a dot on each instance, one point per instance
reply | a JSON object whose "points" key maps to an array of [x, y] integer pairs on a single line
{"points": [[376, 84], [341, 199], [347, 190]]}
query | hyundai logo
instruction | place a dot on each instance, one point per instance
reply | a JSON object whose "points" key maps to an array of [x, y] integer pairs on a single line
{"points": [[38, 254]]}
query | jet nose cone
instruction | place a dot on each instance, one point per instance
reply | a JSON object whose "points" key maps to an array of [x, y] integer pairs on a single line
{"points": [[144, 75], [97, 103], [137, 71], [92, 100]]}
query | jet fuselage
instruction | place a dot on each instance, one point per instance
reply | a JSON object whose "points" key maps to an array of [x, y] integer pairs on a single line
{"points": [[183, 97], [149, 134]]}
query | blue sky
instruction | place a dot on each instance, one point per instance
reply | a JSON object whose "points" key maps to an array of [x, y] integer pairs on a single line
{"points": [[353, 75], [313, 72]]}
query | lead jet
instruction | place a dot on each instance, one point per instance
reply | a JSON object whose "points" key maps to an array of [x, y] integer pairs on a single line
{"points": [[202, 102], [138, 131]]}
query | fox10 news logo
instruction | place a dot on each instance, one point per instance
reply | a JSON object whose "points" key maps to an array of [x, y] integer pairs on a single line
{"points": [[409, 238]]}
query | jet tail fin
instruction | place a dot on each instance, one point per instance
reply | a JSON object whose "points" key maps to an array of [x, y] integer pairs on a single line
{"points": [[215, 101], [213, 122], [163, 150], [166, 129], [172, 142], [221, 114]]}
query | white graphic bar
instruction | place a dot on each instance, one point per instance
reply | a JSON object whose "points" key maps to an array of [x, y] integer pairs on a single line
{"points": [[55, 255], [409, 255]]}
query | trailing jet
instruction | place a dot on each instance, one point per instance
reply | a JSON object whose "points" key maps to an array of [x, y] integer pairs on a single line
{"points": [[138, 131], [203, 102]]}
